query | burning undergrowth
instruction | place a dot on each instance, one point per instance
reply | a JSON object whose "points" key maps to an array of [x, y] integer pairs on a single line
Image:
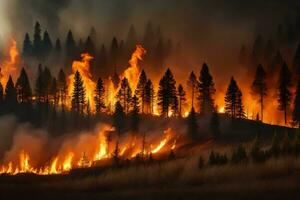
{"points": [[35, 151]]}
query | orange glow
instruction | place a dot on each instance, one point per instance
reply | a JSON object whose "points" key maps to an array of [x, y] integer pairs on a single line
{"points": [[10, 65], [83, 67]]}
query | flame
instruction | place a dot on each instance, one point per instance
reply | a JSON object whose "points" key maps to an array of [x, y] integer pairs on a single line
{"points": [[133, 72], [164, 141], [10, 66], [83, 67]]}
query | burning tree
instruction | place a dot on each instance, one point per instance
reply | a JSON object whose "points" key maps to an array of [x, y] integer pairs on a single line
{"points": [[99, 96], [296, 112], [78, 95], [193, 84], [284, 93], [259, 87], [206, 90], [23, 87], [233, 100], [167, 93]]}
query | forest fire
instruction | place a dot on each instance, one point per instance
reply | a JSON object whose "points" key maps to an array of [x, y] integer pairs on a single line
{"points": [[9, 67], [104, 149]]}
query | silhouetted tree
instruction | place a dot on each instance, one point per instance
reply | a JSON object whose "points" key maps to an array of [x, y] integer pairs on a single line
{"points": [[206, 90], [256, 153], [269, 51], [39, 85], [193, 85], [233, 104], [284, 93], [62, 87], [192, 125], [58, 45], [239, 103], [140, 91], [243, 56], [27, 46], [10, 93], [37, 40], [54, 92], [259, 87], [78, 94], [296, 111], [275, 147], [181, 98], [149, 36], [47, 44], [70, 48], [134, 114], [166, 93], [214, 125], [296, 61], [149, 96], [276, 64], [101, 60], [125, 94], [257, 51], [239, 155], [119, 118], [131, 39], [114, 52], [47, 80], [23, 88], [286, 148], [99, 96], [89, 47]]}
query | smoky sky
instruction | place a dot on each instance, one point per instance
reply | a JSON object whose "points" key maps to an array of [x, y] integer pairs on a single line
{"points": [[210, 29]]}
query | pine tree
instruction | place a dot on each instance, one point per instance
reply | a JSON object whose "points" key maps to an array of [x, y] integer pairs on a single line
{"points": [[233, 100], [10, 92], [37, 40], [206, 90], [193, 85], [276, 64], [269, 51], [47, 80], [54, 92], [125, 94], [192, 125], [214, 125], [99, 96], [140, 91], [27, 46], [119, 118], [78, 94], [149, 96], [166, 93], [70, 49], [259, 87], [62, 87], [149, 36], [131, 39], [134, 114], [58, 45], [257, 51], [239, 105], [89, 46], [39, 85], [284, 93], [46, 44], [23, 88], [181, 98], [296, 61], [296, 111], [114, 52]]}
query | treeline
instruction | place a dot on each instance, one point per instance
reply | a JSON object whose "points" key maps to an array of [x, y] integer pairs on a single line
{"points": [[108, 58], [256, 153]]}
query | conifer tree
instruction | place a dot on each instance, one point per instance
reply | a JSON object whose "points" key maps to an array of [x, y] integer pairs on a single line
{"points": [[243, 56], [296, 61], [181, 98], [114, 52], [231, 99], [62, 87], [125, 94], [23, 88], [47, 80], [10, 92], [46, 44], [39, 85], [78, 94], [54, 92], [284, 93], [134, 114], [58, 45], [192, 125], [37, 40], [239, 104], [27, 46], [149, 96], [89, 46], [166, 93], [70, 48], [140, 91], [206, 91], [193, 85], [99, 96], [131, 39], [296, 111], [119, 118], [259, 87], [269, 51]]}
